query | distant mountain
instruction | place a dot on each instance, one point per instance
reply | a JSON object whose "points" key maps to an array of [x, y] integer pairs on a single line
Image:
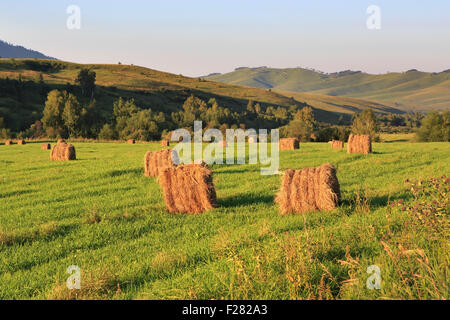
{"points": [[409, 91], [8, 50]]}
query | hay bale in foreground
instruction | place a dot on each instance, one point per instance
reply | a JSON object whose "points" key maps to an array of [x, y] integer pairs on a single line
{"points": [[8, 142], [46, 146], [63, 152], [156, 161], [289, 144], [309, 189], [336, 144], [359, 144], [188, 188], [21, 142], [131, 141], [165, 143]]}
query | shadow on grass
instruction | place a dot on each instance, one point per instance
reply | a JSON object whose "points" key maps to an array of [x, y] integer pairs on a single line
{"points": [[232, 171], [378, 201], [399, 140], [118, 173], [245, 200], [16, 193]]}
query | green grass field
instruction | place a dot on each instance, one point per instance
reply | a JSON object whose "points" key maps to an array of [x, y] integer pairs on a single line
{"points": [[101, 214]]}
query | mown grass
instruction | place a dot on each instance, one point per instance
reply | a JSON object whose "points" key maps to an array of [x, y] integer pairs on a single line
{"points": [[101, 214]]}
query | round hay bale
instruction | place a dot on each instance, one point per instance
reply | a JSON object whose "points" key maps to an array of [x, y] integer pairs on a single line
{"points": [[63, 152], [131, 141], [336, 144], [46, 146], [309, 189], [155, 161], [165, 143], [188, 188], [289, 144], [359, 144], [21, 142], [8, 142]]}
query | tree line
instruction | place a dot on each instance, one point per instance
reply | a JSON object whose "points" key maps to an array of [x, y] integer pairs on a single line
{"points": [[64, 116]]}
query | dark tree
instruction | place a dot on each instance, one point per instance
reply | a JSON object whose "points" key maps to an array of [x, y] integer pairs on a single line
{"points": [[86, 80]]}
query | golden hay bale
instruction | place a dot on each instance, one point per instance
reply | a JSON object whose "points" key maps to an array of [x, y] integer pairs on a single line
{"points": [[63, 152], [359, 144], [8, 142], [289, 144], [222, 143], [155, 161], [188, 188], [21, 142], [336, 144], [165, 143], [131, 141], [46, 146], [309, 189]]}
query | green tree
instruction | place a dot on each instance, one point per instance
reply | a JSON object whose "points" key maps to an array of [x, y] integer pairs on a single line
{"points": [[52, 114], [72, 115], [86, 80], [193, 109], [365, 123], [435, 127], [303, 124], [107, 132], [140, 126]]}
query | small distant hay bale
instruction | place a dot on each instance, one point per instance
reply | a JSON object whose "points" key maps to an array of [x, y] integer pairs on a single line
{"points": [[309, 189], [188, 188], [46, 146], [8, 142], [222, 143], [336, 144], [63, 152], [165, 143], [21, 142], [131, 141], [289, 144], [359, 144], [156, 161]]}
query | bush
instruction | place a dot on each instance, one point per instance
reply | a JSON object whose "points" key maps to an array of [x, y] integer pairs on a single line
{"points": [[435, 127], [107, 133]]}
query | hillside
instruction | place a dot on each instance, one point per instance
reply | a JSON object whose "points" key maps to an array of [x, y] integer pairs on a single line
{"points": [[410, 91], [153, 89], [8, 50]]}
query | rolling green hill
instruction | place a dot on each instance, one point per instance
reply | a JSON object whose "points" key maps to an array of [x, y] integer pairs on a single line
{"points": [[410, 91], [22, 104]]}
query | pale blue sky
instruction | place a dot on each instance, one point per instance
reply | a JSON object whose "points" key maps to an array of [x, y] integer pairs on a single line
{"points": [[198, 37]]}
